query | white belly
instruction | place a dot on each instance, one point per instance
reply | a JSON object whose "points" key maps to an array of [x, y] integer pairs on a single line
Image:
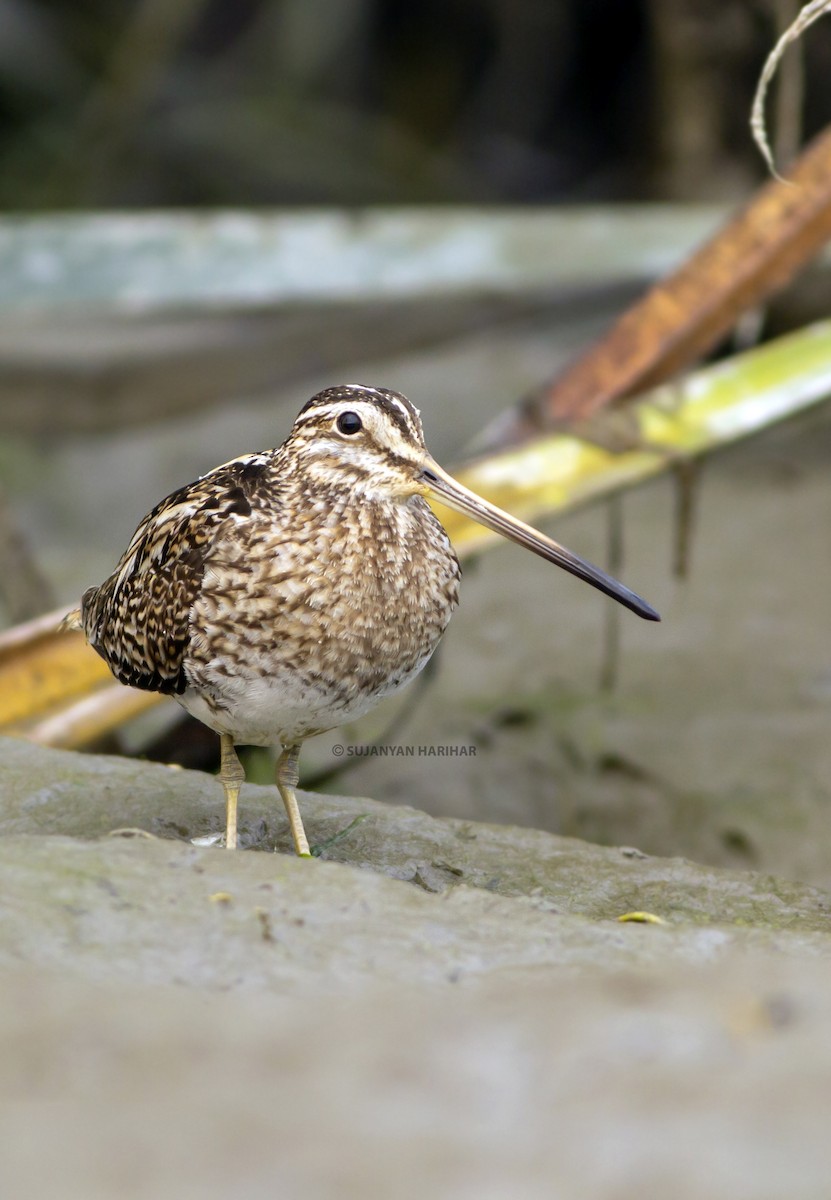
{"points": [[259, 710]]}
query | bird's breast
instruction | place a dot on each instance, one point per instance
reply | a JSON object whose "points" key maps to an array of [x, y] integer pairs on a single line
{"points": [[336, 604]]}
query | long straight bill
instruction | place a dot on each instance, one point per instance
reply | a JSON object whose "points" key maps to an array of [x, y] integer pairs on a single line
{"points": [[447, 490]]}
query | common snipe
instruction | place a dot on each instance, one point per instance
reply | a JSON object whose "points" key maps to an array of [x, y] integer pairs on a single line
{"points": [[287, 592]]}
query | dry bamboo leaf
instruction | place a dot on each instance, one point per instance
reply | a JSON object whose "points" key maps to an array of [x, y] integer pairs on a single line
{"points": [[83, 720], [39, 666], [55, 689]]}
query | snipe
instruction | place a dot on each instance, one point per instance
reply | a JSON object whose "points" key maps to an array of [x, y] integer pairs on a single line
{"points": [[287, 592]]}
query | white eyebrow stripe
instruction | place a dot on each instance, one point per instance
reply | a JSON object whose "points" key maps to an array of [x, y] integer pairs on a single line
{"points": [[402, 408]]}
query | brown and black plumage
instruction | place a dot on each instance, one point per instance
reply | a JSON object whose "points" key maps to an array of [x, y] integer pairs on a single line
{"points": [[288, 591]]}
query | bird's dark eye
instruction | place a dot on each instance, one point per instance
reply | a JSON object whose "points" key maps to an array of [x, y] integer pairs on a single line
{"points": [[349, 423]]}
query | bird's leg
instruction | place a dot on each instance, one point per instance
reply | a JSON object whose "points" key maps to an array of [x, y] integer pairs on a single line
{"points": [[232, 778], [287, 777]]}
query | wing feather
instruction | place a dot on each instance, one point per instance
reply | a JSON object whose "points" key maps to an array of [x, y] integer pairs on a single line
{"points": [[138, 620]]}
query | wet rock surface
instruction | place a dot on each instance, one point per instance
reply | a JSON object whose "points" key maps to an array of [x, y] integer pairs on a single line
{"points": [[440, 1008]]}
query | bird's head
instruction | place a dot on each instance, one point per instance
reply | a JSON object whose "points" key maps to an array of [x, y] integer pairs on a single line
{"points": [[370, 441]]}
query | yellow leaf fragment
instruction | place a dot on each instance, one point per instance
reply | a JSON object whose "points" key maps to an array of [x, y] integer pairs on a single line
{"points": [[642, 918]]}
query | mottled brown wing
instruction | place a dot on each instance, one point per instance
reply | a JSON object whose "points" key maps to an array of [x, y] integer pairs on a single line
{"points": [[138, 619]]}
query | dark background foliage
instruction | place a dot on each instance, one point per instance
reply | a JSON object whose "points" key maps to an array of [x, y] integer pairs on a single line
{"points": [[108, 103]]}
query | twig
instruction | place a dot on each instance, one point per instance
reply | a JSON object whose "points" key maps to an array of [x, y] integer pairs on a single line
{"points": [[808, 15]]}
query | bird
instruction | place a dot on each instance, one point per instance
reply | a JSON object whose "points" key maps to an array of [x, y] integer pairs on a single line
{"points": [[288, 591]]}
